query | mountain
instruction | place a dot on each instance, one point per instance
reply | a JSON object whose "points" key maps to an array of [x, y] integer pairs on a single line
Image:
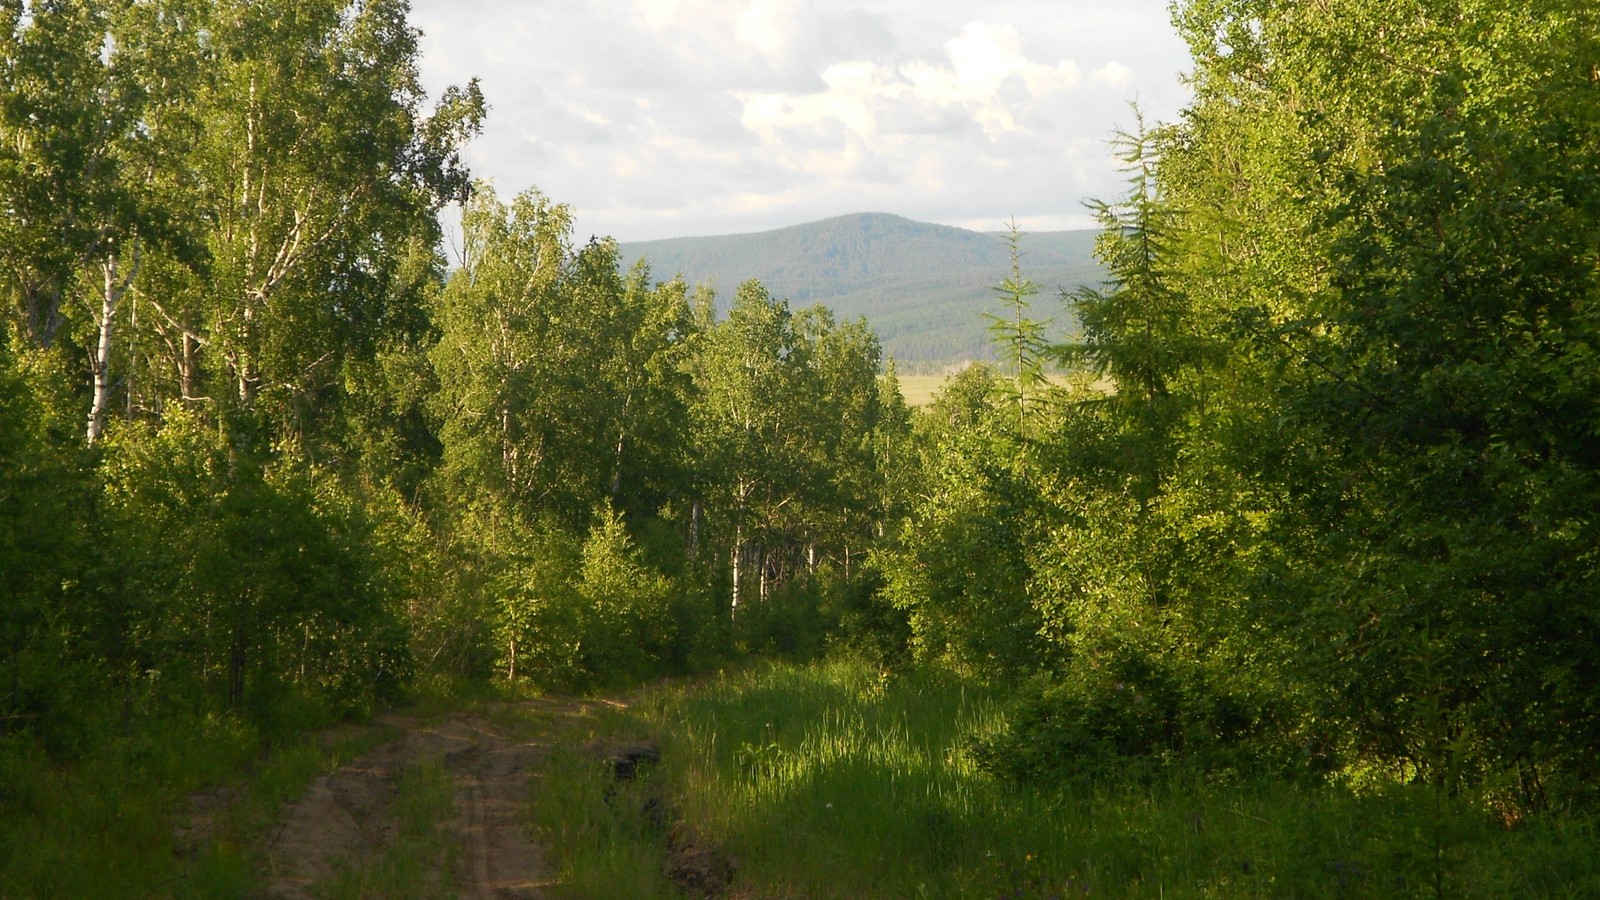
{"points": [[922, 287]]}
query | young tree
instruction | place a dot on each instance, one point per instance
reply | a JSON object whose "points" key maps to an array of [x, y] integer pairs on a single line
{"points": [[1019, 337]]}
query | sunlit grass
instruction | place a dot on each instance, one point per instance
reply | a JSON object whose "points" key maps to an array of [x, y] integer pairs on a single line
{"points": [[603, 838], [919, 389], [840, 781]]}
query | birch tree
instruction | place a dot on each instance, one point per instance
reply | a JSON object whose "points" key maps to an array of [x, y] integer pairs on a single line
{"points": [[319, 171]]}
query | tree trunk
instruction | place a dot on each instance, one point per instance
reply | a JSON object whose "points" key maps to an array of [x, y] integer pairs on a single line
{"points": [[133, 358], [41, 303], [100, 362], [616, 469], [695, 512], [738, 551], [249, 380], [189, 370], [236, 658]]}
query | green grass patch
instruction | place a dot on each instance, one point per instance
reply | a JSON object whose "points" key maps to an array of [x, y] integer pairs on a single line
{"points": [[602, 837], [108, 825], [838, 780]]}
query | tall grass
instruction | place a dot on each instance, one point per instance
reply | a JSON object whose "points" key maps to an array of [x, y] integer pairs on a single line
{"points": [[837, 780], [604, 838]]}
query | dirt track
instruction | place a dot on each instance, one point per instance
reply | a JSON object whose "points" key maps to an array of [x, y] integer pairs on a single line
{"points": [[344, 820]]}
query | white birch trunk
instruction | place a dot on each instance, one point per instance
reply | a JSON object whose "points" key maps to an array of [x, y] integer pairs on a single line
{"points": [[738, 551], [100, 363], [694, 530]]}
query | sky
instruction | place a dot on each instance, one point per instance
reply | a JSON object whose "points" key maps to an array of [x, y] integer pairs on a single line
{"points": [[672, 118]]}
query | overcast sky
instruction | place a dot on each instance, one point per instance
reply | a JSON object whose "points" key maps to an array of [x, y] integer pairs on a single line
{"points": [[667, 118]]}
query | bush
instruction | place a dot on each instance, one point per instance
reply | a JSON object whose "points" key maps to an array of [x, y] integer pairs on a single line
{"points": [[1129, 713]]}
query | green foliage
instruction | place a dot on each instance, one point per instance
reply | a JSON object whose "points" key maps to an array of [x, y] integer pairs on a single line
{"points": [[959, 568], [1334, 514], [626, 605], [558, 378], [581, 613], [1019, 338], [1431, 552], [45, 677], [785, 430], [245, 580]]}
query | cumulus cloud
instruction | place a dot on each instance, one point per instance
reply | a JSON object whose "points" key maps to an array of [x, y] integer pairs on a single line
{"points": [[663, 117]]}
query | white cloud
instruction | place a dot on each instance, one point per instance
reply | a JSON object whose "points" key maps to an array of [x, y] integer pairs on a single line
{"points": [[1113, 73], [767, 25], [662, 117]]}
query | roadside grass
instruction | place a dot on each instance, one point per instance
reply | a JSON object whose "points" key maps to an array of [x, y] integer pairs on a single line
{"points": [[602, 837], [104, 825], [838, 780]]}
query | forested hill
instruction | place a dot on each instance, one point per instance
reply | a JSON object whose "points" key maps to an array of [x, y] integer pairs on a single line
{"points": [[922, 287]]}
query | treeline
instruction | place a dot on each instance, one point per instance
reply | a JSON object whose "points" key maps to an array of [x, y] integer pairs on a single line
{"points": [[262, 451], [1339, 515]]}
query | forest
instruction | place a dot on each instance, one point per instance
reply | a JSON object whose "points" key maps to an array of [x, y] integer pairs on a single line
{"points": [[1311, 497]]}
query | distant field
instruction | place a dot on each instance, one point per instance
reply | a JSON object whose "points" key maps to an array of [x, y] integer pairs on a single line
{"points": [[919, 389]]}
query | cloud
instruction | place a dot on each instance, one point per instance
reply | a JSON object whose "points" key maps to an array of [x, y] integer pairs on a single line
{"points": [[663, 117], [1113, 73]]}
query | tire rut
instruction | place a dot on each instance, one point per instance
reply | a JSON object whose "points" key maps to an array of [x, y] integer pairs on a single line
{"points": [[344, 821]]}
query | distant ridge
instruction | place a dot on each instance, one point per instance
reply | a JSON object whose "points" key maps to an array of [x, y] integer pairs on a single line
{"points": [[922, 287]]}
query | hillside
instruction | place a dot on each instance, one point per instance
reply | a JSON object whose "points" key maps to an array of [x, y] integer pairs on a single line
{"points": [[922, 287]]}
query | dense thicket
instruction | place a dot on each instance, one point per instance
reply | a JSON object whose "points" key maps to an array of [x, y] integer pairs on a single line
{"points": [[1339, 511]]}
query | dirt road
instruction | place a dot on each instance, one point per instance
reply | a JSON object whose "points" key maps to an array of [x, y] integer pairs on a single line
{"points": [[346, 821]]}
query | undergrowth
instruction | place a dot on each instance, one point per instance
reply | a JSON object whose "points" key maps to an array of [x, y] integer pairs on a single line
{"points": [[839, 780]]}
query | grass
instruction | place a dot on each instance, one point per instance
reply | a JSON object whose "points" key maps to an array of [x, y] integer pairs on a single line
{"points": [[104, 826], [838, 780], [919, 390], [603, 837], [835, 779]]}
